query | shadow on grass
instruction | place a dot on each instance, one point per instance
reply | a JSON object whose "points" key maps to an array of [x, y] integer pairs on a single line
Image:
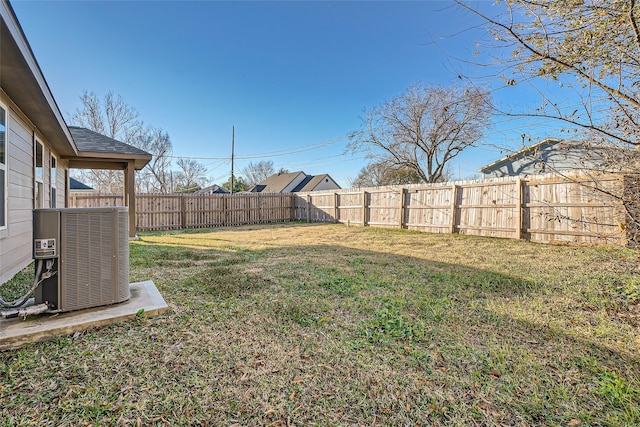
{"points": [[438, 313], [335, 268], [326, 335]]}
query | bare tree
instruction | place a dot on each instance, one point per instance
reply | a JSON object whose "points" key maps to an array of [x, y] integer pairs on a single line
{"points": [[190, 177], [583, 58], [591, 49], [156, 176], [111, 117], [378, 174], [255, 173], [424, 128], [105, 181], [91, 115]]}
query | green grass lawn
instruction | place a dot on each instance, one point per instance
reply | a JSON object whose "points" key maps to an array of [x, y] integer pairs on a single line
{"points": [[331, 325]]}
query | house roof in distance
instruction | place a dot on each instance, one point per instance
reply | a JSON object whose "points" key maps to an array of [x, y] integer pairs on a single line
{"points": [[212, 189], [76, 185], [276, 182], [525, 150], [293, 182], [310, 182]]}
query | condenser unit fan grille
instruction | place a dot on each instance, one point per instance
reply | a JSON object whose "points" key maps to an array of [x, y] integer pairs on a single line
{"points": [[93, 256]]}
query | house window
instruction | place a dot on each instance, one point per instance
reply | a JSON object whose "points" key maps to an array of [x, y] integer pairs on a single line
{"points": [[54, 175], [4, 196], [39, 174]]}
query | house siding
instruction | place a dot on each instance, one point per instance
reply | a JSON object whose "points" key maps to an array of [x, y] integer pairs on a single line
{"points": [[61, 183], [327, 183], [15, 240], [545, 160]]}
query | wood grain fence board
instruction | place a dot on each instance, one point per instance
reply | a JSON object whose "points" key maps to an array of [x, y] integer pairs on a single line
{"points": [[539, 208], [573, 211]]}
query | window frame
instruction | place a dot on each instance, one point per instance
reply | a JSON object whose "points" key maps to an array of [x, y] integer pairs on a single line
{"points": [[53, 177], [4, 167], [38, 181]]}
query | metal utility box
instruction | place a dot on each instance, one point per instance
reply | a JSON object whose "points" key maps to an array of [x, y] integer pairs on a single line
{"points": [[88, 251]]}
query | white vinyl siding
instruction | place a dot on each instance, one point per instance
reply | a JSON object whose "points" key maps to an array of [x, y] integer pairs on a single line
{"points": [[61, 183], [16, 237], [327, 183], [15, 247]]}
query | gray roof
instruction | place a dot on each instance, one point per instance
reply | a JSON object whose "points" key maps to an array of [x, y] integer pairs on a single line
{"points": [[525, 150], [90, 141], [74, 184], [554, 154], [212, 189], [305, 181], [276, 183], [311, 182], [257, 188]]}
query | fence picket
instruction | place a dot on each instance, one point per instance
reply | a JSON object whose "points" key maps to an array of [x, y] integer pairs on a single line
{"points": [[542, 208]]}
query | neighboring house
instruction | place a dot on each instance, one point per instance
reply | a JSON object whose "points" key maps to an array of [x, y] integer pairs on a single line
{"points": [[76, 186], [550, 155], [295, 182], [316, 183], [37, 148], [212, 189], [280, 183]]}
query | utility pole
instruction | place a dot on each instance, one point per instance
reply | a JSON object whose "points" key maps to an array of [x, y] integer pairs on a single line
{"points": [[233, 133]]}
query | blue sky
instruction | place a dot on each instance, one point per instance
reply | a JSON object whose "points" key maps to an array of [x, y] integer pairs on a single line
{"points": [[293, 77]]}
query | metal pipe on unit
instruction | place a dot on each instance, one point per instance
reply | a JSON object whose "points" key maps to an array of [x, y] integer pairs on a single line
{"points": [[24, 311]]}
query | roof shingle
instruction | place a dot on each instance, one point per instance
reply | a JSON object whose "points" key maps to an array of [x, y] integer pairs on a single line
{"points": [[89, 141]]}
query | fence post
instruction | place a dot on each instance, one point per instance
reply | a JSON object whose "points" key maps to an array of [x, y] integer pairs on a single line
{"points": [[224, 210], [518, 208], [260, 207], [364, 208], [403, 210], [308, 208], [336, 208], [454, 203], [183, 211]]}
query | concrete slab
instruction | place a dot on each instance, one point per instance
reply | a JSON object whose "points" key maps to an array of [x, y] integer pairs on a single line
{"points": [[145, 296]]}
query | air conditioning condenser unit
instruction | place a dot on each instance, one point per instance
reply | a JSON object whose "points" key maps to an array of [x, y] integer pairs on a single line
{"points": [[82, 255]]}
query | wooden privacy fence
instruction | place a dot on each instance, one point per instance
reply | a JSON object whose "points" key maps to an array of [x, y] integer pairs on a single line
{"points": [[175, 211], [577, 209], [539, 208]]}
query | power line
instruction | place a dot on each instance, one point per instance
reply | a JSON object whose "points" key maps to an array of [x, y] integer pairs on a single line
{"points": [[493, 132], [280, 153]]}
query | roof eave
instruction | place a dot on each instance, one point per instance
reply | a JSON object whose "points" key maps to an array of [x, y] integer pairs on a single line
{"points": [[519, 152], [24, 82], [83, 157]]}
